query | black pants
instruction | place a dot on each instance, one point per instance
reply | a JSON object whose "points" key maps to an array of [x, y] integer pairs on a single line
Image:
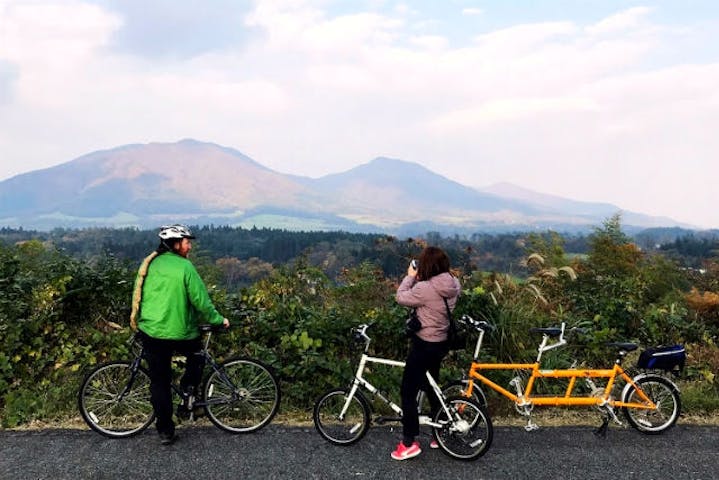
{"points": [[423, 357], [158, 353]]}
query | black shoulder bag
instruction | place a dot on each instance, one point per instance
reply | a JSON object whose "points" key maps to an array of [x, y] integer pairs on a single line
{"points": [[412, 324], [455, 339]]}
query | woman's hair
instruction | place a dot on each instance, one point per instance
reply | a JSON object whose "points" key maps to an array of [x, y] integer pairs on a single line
{"points": [[432, 262]]}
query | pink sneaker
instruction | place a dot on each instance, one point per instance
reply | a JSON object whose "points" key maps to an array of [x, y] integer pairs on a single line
{"points": [[433, 444], [403, 453]]}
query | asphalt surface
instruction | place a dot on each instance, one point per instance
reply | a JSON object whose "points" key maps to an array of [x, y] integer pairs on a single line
{"points": [[684, 452]]}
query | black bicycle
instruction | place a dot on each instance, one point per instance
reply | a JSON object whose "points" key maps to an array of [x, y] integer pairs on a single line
{"points": [[240, 395]]}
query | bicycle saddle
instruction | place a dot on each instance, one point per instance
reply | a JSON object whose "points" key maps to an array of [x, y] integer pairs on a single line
{"points": [[549, 331], [626, 346]]}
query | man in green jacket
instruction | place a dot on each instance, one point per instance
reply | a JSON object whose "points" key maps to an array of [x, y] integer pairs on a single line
{"points": [[169, 302]]}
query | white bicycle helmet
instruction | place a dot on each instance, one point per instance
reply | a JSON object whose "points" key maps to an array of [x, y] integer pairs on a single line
{"points": [[169, 232]]}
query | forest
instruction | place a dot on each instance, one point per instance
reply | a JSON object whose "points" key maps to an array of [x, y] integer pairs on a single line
{"points": [[65, 299]]}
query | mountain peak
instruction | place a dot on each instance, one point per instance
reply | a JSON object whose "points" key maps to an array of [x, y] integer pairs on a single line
{"points": [[383, 161], [195, 181], [192, 141]]}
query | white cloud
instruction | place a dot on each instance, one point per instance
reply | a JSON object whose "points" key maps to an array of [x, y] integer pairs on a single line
{"points": [[351, 31], [508, 110], [622, 21], [472, 11], [32, 34], [430, 42], [50, 56], [343, 77], [521, 37], [310, 30]]}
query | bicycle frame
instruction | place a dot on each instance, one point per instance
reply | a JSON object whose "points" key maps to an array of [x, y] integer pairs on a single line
{"points": [[570, 398], [209, 361], [360, 381]]}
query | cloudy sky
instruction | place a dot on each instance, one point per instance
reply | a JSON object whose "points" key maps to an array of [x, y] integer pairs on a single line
{"points": [[597, 100]]}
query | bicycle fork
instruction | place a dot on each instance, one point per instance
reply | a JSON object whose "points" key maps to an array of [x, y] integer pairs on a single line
{"points": [[134, 367]]}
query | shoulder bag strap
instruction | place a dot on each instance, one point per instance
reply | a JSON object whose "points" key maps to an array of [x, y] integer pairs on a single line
{"points": [[452, 327]]}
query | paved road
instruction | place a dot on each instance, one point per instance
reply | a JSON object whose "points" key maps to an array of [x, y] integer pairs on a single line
{"points": [[685, 452]]}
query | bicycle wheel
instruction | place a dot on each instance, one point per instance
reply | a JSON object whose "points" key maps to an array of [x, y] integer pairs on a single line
{"points": [[468, 434], [243, 398], [665, 396], [341, 430], [114, 401]]}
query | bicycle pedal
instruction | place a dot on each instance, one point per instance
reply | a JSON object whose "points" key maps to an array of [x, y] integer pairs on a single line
{"points": [[383, 420]]}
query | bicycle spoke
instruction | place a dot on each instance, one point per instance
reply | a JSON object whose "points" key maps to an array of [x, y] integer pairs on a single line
{"points": [[666, 399], [341, 431], [243, 398], [468, 434], [107, 405]]}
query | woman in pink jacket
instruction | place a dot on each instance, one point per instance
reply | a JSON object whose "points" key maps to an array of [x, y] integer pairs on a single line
{"points": [[424, 288]]}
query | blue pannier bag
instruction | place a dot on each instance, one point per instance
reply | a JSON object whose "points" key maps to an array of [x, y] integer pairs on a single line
{"points": [[669, 358]]}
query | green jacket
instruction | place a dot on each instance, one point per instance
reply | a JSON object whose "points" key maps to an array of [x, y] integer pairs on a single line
{"points": [[174, 300]]}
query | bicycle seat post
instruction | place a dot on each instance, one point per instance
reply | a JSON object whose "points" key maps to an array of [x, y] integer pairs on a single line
{"points": [[207, 340], [545, 346], [620, 357], [478, 346]]}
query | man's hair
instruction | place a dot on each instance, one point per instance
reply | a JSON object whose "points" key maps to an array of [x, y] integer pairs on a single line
{"points": [[167, 245]]}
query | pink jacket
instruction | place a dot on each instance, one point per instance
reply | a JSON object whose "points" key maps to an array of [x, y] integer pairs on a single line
{"points": [[426, 296]]}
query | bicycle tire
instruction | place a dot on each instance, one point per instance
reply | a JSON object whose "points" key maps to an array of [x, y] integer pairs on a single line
{"points": [[469, 435], [664, 394], [105, 408], [248, 402], [341, 431]]}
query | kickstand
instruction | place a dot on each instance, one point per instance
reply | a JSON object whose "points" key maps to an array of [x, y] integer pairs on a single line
{"points": [[601, 431], [531, 426]]}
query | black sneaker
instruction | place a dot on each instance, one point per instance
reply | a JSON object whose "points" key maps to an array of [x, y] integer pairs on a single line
{"points": [[168, 438]]}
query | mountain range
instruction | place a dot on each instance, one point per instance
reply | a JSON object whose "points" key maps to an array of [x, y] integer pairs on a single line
{"points": [[145, 185]]}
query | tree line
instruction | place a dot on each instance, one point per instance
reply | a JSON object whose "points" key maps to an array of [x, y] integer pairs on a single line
{"points": [[65, 295]]}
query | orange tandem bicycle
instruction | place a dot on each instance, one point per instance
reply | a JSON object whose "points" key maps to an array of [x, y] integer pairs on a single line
{"points": [[650, 401]]}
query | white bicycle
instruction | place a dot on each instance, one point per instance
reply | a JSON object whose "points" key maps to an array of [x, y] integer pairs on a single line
{"points": [[461, 427]]}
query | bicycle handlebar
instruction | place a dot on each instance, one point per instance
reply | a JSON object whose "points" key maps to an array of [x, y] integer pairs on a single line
{"points": [[551, 331], [359, 334], [208, 327], [476, 324]]}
